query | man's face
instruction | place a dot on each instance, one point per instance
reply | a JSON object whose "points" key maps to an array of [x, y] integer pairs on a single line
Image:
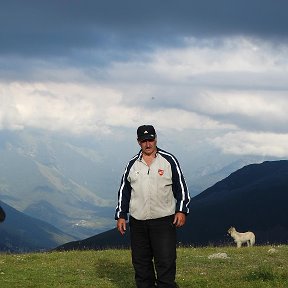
{"points": [[148, 146]]}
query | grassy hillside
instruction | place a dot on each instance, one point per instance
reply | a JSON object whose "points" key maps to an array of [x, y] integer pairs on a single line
{"points": [[259, 266]]}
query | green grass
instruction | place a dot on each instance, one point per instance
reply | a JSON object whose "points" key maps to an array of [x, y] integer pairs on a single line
{"points": [[245, 267]]}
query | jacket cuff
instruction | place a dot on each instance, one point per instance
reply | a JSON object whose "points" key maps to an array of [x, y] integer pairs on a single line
{"points": [[122, 215]]}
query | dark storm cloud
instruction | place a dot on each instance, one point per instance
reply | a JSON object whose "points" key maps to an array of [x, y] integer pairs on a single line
{"points": [[57, 27]]}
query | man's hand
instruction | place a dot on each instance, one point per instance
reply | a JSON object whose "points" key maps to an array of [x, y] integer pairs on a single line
{"points": [[179, 219], [121, 225]]}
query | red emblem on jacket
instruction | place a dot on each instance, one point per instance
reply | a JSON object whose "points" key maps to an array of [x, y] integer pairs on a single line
{"points": [[160, 172]]}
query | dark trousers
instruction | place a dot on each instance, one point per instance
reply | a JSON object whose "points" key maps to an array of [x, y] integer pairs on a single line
{"points": [[153, 244]]}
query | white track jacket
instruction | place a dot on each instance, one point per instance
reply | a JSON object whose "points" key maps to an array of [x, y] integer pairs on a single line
{"points": [[152, 192]]}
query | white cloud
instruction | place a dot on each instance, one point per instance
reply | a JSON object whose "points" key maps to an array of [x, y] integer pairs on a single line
{"points": [[235, 54], [75, 108], [247, 103], [236, 80], [224, 85], [247, 143], [86, 108]]}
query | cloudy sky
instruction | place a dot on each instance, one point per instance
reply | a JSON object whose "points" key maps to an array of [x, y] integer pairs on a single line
{"points": [[203, 72]]}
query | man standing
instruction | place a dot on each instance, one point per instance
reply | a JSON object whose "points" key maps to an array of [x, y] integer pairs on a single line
{"points": [[154, 192]]}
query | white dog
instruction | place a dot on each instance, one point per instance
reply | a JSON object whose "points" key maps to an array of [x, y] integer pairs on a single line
{"points": [[240, 238]]}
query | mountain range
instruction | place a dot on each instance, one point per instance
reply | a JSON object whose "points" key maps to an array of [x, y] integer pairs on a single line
{"points": [[21, 233], [72, 183], [252, 198], [55, 181]]}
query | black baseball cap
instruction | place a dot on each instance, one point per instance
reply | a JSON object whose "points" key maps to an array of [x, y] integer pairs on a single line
{"points": [[146, 132]]}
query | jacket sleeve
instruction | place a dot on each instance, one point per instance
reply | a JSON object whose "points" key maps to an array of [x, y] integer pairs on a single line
{"points": [[124, 195], [180, 188]]}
